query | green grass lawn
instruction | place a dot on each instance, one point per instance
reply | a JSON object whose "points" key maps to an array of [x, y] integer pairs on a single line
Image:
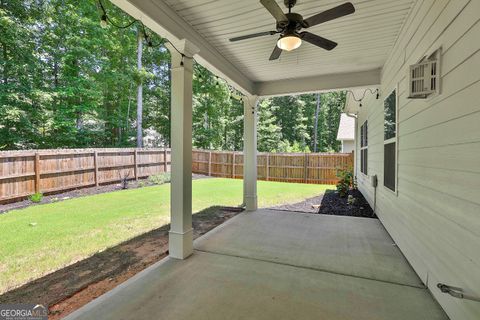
{"points": [[40, 239]]}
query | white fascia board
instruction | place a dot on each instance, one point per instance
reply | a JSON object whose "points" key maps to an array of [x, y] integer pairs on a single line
{"points": [[330, 82], [164, 21]]}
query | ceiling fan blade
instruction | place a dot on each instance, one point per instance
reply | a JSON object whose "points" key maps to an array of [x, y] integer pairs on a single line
{"points": [[318, 41], [274, 10], [275, 53], [253, 35], [334, 13]]}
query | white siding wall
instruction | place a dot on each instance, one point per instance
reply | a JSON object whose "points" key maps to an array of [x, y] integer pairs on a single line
{"points": [[348, 146], [435, 216]]}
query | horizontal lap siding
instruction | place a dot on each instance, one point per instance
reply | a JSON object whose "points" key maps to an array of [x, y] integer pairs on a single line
{"points": [[435, 218]]}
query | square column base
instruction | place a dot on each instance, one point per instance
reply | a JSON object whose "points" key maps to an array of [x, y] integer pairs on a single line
{"points": [[180, 245], [251, 203]]}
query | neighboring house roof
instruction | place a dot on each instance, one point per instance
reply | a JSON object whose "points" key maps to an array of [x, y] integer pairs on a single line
{"points": [[346, 129]]}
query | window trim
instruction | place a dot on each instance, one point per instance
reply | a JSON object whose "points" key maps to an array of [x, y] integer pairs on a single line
{"points": [[391, 140], [364, 135]]}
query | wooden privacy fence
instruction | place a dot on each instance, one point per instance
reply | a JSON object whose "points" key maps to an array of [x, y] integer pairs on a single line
{"points": [[23, 173], [319, 168]]}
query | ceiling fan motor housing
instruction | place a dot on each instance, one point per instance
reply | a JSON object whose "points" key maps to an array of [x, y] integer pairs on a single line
{"points": [[295, 23]]}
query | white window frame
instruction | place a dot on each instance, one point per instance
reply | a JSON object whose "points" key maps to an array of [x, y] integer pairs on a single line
{"points": [[364, 147], [394, 139]]}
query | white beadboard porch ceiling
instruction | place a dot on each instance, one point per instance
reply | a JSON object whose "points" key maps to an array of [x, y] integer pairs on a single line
{"points": [[364, 38]]}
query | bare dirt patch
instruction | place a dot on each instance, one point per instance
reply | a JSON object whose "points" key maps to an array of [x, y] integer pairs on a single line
{"points": [[309, 205], [69, 288]]}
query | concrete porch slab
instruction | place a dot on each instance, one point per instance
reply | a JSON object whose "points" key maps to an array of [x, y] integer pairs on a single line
{"points": [[345, 245], [241, 279], [212, 286]]}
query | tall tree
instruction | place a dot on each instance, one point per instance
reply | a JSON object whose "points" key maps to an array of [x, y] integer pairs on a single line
{"points": [[139, 88]]}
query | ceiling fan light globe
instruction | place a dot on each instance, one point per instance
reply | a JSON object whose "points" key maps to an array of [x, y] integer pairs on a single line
{"points": [[289, 43]]}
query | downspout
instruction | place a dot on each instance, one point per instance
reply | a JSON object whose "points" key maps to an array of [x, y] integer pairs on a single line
{"points": [[354, 116]]}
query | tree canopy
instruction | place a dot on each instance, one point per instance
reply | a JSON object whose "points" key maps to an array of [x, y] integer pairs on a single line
{"points": [[68, 82]]}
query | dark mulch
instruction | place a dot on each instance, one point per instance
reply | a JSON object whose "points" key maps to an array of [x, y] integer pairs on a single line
{"points": [[69, 288], [82, 192], [333, 204]]}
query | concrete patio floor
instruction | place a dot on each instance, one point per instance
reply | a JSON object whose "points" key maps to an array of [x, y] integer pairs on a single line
{"points": [[277, 265]]}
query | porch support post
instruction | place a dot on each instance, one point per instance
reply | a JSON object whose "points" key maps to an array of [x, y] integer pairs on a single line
{"points": [[250, 152], [181, 233]]}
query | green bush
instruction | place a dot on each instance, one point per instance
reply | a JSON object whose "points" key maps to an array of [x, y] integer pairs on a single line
{"points": [[160, 178], [346, 181], [37, 197]]}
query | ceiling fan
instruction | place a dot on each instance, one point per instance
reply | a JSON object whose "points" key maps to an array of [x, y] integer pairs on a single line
{"points": [[289, 26]]}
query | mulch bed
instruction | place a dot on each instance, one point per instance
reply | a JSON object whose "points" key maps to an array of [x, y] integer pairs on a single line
{"points": [[69, 288], [331, 203]]}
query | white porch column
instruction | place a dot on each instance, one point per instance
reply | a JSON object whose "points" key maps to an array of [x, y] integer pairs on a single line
{"points": [[181, 234], [250, 152]]}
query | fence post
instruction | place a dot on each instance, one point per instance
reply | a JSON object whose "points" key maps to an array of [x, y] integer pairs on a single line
{"points": [[209, 163], [165, 161], [95, 165], [233, 165], [305, 167], [267, 174], [37, 172], [135, 164]]}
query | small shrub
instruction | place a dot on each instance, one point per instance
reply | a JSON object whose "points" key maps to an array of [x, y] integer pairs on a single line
{"points": [[351, 200], [141, 184], [160, 178], [124, 178], [37, 197], [346, 181]]}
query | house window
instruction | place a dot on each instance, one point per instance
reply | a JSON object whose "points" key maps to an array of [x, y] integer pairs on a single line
{"points": [[364, 148], [390, 142]]}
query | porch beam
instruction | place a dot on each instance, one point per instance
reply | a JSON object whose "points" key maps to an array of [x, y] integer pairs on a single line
{"points": [[329, 82], [181, 232], [163, 20], [250, 104]]}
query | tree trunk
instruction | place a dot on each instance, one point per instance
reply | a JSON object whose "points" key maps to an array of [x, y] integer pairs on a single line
{"points": [[315, 130], [5, 59], [139, 90], [127, 120]]}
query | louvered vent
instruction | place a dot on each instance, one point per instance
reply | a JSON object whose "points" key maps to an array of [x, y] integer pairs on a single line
{"points": [[425, 77]]}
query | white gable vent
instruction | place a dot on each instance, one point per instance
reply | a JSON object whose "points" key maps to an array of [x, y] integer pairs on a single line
{"points": [[425, 77]]}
